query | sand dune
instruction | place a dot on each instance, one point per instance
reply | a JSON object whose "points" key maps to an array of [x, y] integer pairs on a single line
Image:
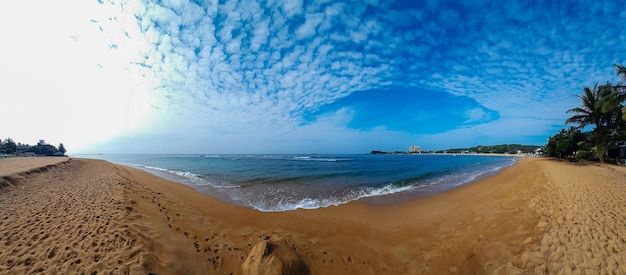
{"points": [[10, 166], [86, 216], [12, 170]]}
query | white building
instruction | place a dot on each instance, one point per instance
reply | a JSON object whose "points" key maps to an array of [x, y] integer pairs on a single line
{"points": [[415, 149]]}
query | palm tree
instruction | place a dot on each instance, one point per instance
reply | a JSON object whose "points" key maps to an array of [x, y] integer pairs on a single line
{"points": [[621, 70], [619, 98], [592, 113], [615, 101]]}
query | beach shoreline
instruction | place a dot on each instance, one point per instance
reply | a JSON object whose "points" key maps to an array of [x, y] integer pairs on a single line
{"points": [[339, 179], [404, 196], [481, 154], [528, 218]]}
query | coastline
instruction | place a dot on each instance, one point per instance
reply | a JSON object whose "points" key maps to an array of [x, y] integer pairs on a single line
{"points": [[482, 154], [531, 217], [419, 182], [404, 196]]}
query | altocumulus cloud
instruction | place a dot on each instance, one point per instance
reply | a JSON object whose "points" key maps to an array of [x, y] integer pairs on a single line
{"points": [[272, 70]]}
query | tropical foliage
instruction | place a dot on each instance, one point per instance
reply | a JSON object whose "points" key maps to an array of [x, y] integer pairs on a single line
{"points": [[480, 149], [566, 143], [602, 111], [496, 149]]}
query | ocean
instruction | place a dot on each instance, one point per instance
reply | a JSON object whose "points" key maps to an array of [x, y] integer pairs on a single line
{"points": [[285, 182]]}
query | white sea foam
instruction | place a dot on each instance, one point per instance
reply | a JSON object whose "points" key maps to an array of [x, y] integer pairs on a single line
{"points": [[210, 156], [266, 204], [284, 196], [280, 204], [193, 179], [307, 158]]}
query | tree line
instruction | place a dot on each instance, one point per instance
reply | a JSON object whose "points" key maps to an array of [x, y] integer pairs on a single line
{"points": [[480, 149], [602, 111], [495, 149], [8, 146]]}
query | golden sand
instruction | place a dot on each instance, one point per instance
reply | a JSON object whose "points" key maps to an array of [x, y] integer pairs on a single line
{"points": [[10, 166], [538, 216]]}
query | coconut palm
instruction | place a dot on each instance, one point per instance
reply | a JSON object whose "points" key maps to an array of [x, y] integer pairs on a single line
{"points": [[592, 113], [617, 98], [621, 70]]}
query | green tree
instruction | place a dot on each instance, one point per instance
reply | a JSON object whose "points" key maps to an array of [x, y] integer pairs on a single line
{"points": [[602, 109], [44, 149], [564, 143], [620, 96], [9, 146], [616, 99], [593, 112]]}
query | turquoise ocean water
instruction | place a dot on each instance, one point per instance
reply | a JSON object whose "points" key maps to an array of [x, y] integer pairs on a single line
{"points": [[287, 182]]}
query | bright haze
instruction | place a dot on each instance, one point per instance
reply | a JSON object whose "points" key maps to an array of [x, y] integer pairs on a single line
{"points": [[298, 76]]}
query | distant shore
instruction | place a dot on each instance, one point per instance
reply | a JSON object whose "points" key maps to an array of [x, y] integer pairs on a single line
{"points": [[483, 154], [452, 154], [538, 216]]}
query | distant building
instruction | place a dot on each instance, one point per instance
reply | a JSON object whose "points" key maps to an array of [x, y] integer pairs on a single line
{"points": [[22, 149], [415, 149]]}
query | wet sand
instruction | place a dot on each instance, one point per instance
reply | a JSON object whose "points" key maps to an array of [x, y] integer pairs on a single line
{"points": [[538, 216]]}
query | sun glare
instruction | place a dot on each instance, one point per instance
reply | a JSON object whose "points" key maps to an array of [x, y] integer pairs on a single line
{"points": [[80, 82]]}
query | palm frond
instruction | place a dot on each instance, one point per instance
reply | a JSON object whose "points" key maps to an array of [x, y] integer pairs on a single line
{"points": [[581, 120], [621, 70], [612, 101], [577, 110]]}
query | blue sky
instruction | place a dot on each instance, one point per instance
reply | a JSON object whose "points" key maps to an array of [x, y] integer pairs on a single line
{"points": [[299, 76]]}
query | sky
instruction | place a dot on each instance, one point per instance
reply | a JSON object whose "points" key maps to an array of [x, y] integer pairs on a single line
{"points": [[299, 76]]}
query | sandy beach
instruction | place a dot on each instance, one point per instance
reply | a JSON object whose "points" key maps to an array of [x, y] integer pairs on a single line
{"points": [[87, 216]]}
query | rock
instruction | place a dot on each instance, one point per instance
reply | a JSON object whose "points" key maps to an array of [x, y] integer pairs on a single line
{"points": [[266, 258]]}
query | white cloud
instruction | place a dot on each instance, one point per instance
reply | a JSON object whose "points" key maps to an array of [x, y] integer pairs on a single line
{"points": [[476, 115], [261, 33], [243, 67], [292, 7], [358, 36], [308, 29]]}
